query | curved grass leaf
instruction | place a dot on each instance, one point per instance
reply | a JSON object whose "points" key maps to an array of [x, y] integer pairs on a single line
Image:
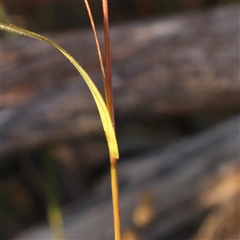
{"points": [[103, 112]]}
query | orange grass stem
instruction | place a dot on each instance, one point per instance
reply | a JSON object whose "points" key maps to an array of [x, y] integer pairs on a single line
{"points": [[109, 102], [115, 199]]}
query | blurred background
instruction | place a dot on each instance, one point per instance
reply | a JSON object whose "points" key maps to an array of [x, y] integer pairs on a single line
{"points": [[79, 161], [61, 15]]}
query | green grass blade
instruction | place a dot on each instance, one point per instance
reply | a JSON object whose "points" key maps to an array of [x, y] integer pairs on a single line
{"points": [[52, 190], [103, 112]]}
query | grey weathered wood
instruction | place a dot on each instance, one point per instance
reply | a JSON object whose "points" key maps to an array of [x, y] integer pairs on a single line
{"points": [[172, 67], [181, 180]]}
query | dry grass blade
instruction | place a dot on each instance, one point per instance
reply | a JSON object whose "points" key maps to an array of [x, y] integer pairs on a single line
{"points": [[108, 60], [98, 47]]}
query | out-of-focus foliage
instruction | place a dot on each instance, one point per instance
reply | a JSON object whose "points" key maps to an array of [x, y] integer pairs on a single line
{"points": [[43, 15]]}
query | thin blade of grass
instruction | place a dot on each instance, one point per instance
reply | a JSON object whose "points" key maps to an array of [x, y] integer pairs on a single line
{"points": [[103, 111], [98, 47], [108, 60], [52, 196]]}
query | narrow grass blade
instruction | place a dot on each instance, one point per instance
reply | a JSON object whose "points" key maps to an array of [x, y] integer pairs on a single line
{"points": [[52, 197], [108, 60], [103, 112], [98, 47]]}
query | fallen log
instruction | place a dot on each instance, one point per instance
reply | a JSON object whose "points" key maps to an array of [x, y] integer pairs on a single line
{"points": [[179, 187], [177, 66]]}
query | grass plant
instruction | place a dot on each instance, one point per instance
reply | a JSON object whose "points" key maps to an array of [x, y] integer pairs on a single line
{"points": [[53, 208], [106, 113]]}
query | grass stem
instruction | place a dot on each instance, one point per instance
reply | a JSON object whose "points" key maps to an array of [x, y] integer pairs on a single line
{"points": [[115, 199], [109, 102]]}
